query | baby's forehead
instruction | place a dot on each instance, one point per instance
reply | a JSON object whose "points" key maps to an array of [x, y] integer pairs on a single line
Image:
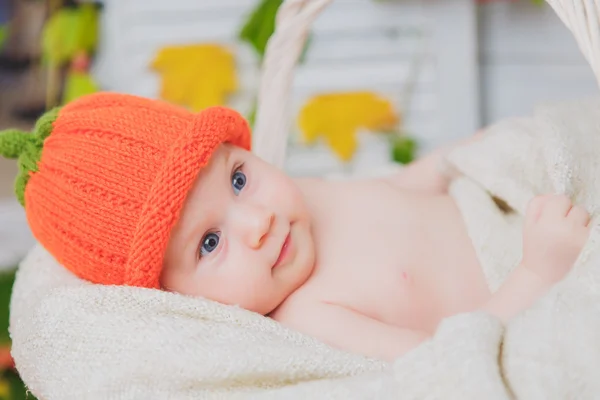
{"points": [[212, 177]]}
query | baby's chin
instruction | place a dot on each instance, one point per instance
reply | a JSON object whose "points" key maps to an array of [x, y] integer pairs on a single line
{"points": [[303, 265], [286, 288]]}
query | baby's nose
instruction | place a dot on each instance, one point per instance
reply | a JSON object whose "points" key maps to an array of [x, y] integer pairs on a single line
{"points": [[256, 223]]}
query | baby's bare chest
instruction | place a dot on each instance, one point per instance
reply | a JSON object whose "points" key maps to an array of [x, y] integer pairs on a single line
{"points": [[373, 256]]}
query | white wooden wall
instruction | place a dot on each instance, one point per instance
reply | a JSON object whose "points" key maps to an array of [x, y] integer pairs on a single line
{"points": [[482, 63], [527, 56], [356, 44]]}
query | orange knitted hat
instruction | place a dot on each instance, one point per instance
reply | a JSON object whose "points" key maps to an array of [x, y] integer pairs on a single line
{"points": [[107, 187]]}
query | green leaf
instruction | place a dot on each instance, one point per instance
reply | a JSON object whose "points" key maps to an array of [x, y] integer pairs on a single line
{"points": [[78, 84], [260, 25], [69, 31], [403, 149]]}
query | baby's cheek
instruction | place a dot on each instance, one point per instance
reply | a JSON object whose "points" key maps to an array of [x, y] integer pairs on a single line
{"points": [[245, 288]]}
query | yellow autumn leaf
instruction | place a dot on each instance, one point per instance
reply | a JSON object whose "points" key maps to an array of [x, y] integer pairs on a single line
{"points": [[196, 76], [337, 117]]}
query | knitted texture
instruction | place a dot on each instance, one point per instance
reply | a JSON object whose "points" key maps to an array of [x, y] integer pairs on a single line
{"points": [[112, 179], [27, 148]]}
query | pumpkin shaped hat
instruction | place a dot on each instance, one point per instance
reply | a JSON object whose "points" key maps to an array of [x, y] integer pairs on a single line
{"points": [[104, 178]]}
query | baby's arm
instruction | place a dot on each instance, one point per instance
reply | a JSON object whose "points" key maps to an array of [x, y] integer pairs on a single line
{"points": [[519, 292], [352, 331], [424, 173], [555, 231]]}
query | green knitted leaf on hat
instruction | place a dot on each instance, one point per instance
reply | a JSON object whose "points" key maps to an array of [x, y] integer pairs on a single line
{"points": [[43, 127], [12, 143], [27, 148]]}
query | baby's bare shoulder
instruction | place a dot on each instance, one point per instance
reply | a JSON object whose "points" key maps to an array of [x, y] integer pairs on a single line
{"points": [[303, 311], [298, 308]]}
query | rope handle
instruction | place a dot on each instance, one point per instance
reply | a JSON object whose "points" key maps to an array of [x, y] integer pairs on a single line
{"points": [[293, 21], [582, 19], [272, 124]]}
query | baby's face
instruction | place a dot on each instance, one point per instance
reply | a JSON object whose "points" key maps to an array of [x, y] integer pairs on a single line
{"points": [[243, 237]]}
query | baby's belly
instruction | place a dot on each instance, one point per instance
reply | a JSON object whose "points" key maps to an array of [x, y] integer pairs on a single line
{"points": [[388, 289], [414, 296], [413, 268], [393, 298]]}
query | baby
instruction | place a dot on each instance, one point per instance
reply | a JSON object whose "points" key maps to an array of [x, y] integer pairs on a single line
{"points": [[131, 191], [385, 259]]}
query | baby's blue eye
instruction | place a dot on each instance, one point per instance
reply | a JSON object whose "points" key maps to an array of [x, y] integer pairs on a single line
{"points": [[209, 243], [238, 181]]}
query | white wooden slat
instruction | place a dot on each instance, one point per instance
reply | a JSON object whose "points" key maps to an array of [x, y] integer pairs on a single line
{"points": [[524, 32], [423, 127], [319, 160], [142, 34], [422, 101], [426, 86], [412, 7], [423, 130], [527, 57], [407, 6], [454, 43], [374, 47], [358, 75], [321, 78], [429, 143], [514, 90], [378, 45], [181, 6], [221, 22], [364, 16], [357, 13], [191, 17], [164, 33]]}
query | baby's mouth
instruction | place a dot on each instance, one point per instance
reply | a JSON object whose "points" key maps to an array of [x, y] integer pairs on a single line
{"points": [[283, 254]]}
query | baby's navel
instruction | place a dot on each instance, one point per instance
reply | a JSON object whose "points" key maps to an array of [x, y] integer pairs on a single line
{"points": [[406, 278]]}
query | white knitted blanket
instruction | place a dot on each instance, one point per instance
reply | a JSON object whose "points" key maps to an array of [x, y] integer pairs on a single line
{"points": [[74, 340]]}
